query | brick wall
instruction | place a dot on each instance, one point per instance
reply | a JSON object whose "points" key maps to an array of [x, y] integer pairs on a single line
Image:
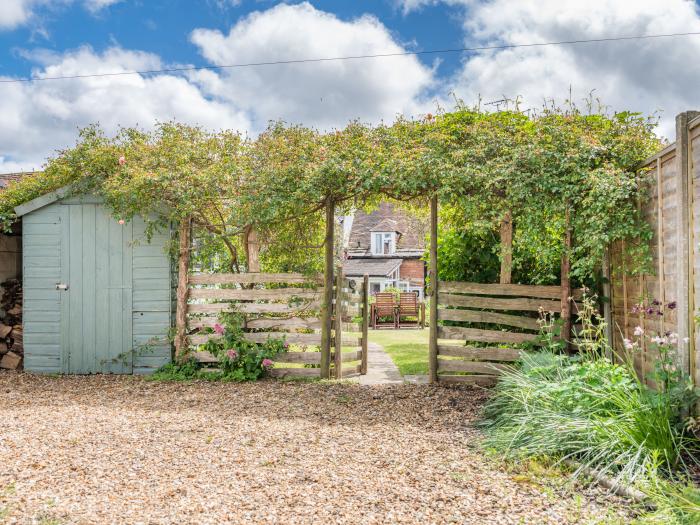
{"points": [[413, 270]]}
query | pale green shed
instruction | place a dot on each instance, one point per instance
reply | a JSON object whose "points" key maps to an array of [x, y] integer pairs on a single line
{"points": [[97, 294]]}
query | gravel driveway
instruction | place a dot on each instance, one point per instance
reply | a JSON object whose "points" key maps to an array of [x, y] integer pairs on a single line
{"points": [[107, 449]]}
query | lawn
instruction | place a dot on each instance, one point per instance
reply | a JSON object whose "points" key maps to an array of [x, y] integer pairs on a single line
{"points": [[408, 348]]}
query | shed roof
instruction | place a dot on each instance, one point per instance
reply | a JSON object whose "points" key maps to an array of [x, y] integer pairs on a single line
{"points": [[42, 201]]}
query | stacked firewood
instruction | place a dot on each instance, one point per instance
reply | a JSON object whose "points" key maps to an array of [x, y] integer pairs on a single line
{"points": [[11, 338]]}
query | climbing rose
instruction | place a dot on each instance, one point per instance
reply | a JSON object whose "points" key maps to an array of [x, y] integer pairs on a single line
{"points": [[232, 354], [122, 160], [219, 329], [267, 363], [122, 221]]}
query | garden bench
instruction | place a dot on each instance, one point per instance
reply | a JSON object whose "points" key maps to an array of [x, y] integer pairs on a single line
{"points": [[384, 306], [409, 307]]}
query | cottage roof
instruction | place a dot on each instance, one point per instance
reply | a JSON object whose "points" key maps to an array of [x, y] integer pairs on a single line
{"points": [[387, 218], [7, 178]]}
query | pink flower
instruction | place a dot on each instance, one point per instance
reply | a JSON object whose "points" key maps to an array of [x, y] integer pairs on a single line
{"points": [[219, 329], [638, 331], [232, 354], [122, 160], [286, 344], [267, 363], [121, 221]]}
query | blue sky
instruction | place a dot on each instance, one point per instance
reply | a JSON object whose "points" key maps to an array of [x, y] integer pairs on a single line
{"points": [[163, 27], [77, 37]]}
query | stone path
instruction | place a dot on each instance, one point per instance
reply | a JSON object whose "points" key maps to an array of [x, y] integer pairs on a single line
{"points": [[381, 370]]}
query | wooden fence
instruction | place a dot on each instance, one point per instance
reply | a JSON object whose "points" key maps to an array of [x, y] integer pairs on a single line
{"points": [[673, 212], [285, 306], [498, 318]]}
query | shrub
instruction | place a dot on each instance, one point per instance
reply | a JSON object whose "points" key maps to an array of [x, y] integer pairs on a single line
{"points": [[593, 411], [239, 359]]}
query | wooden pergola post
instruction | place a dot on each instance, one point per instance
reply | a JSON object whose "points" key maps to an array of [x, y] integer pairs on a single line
{"points": [[182, 288], [433, 273], [506, 248], [327, 310], [338, 324]]}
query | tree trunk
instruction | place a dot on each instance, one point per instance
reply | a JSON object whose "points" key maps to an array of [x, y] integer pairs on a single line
{"points": [[182, 289], [566, 284], [506, 248], [433, 274], [252, 250]]}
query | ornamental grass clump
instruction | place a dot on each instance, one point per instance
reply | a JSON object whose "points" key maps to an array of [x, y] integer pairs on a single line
{"points": [[597, 413]]}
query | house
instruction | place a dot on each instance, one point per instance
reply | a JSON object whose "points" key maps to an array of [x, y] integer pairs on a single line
{"points": [[388, 245]]}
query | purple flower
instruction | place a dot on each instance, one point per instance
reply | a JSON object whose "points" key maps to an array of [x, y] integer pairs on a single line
{"points": [[267, 363], [672, 305], [219, 329], [656, 302], [232, 354], [650, 311], [286, 344]]}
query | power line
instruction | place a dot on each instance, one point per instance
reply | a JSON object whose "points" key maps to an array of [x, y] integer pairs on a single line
{"points": [[352, 57]]}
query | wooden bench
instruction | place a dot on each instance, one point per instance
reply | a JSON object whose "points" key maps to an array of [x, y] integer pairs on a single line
{"points": [[384, 306]]}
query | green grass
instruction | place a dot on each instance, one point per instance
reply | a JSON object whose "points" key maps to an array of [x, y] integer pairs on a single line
{"points": [[408, 348]]}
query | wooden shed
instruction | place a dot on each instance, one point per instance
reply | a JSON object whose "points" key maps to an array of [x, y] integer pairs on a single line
{"points": [[97, 295]]}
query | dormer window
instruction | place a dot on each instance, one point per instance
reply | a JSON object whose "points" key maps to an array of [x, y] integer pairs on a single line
{"points": [[383, 243]]}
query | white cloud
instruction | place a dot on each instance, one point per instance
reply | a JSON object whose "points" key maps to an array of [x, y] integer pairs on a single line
{"points": [[97, 5], [639, 75], [40, 117], [321, 94], [16, 13], [324, 94]]}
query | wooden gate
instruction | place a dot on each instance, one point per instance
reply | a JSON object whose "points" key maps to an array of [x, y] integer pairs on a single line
{"points": [[499, 319], [287, 306]]}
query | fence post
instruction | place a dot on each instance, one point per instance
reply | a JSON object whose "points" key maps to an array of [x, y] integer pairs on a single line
{"points": [[566, 283], [326, 312], [182, 289], [607, 300], [365, 323], [684, 293], [339, 296], [433, 350]]}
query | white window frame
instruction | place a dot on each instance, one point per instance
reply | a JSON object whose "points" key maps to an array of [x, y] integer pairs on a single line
{"points": [[379, 239]]}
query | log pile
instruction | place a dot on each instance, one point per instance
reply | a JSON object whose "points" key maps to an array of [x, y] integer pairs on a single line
{"points": [[11, 336]]}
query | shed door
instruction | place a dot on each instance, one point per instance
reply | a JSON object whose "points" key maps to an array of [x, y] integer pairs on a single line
{"points": [[96, 328]]}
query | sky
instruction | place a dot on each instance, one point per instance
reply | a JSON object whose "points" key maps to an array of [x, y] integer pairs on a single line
{"points": [[40, 38]]}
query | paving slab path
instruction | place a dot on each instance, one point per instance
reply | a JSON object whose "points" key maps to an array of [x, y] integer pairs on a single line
{"points": [[381, 369]]}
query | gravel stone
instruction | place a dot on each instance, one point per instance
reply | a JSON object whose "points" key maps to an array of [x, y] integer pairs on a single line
{"points": [[121, 449]]}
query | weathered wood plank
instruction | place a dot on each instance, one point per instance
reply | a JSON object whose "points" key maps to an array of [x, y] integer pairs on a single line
{"points": [[204, 357], [261, 337], [312, 358], [294, 323], [475, 367], [518, 290], [478, 316], [253, 278], [484, 354], [252, 308], [294, 372], [515, 304], [485, 336], [350, 356], [278, 294], [480, 380]]}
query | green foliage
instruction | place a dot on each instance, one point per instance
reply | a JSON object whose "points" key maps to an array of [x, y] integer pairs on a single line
{"points": [[239, 359], [481, 165], [591, 410]]}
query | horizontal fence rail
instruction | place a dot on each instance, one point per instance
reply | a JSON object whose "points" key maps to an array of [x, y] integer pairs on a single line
{"points": [[492, 322], [282, 306]]}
